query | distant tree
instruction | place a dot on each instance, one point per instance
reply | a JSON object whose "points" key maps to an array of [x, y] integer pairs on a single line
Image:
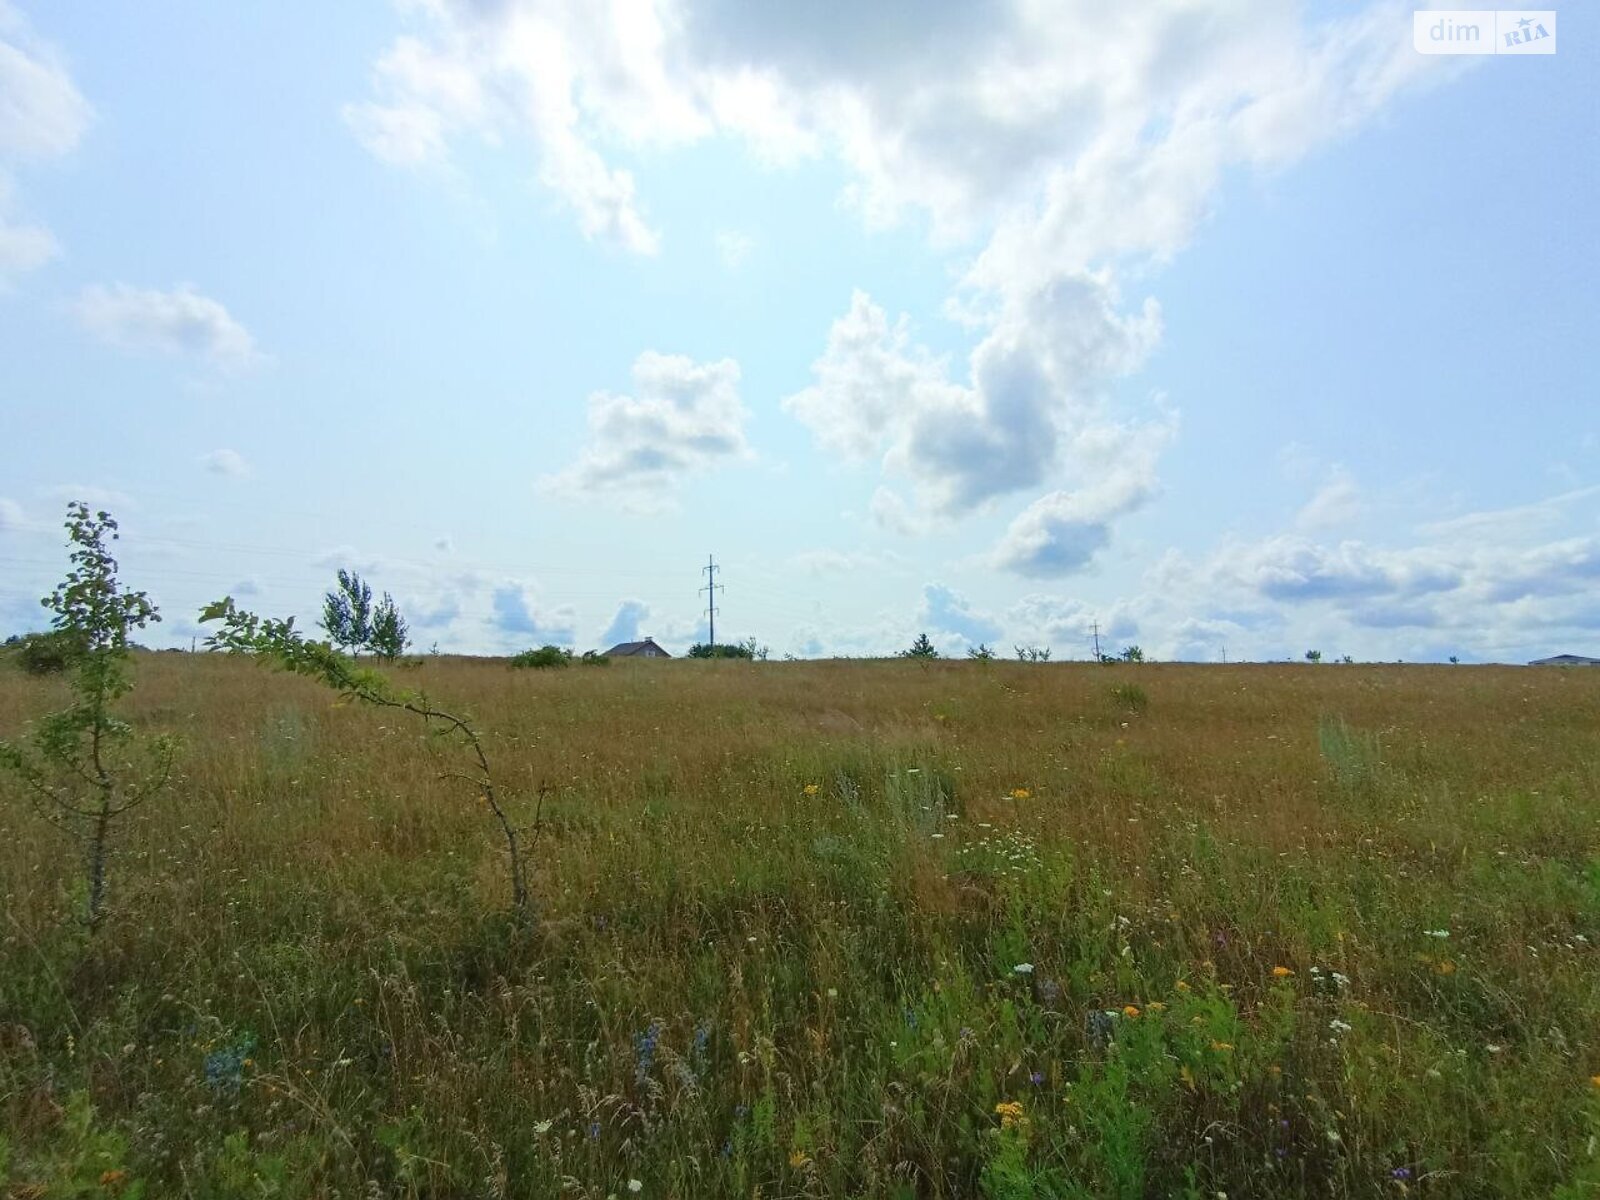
{"points": [[1131, 654], [1454, 659], [347, 613], [757, 651], [1313, 656], [544, 657], [1347, 659], [981, 652], [47, 653], [390, 634], [723, 649], [921, 648], [86, 767], [593, 659], [1032, 654]]}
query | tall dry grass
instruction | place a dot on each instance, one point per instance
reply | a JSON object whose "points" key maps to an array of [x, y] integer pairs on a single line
{"points": [[784, 907]]}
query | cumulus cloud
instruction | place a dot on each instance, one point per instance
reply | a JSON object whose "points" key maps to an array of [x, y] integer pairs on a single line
{"points": [[1033, 391], [42, 116], [1073, 132], [625, 624], [685, 419], [945, 612], [515, 613], [181, 321], [226, 462]]}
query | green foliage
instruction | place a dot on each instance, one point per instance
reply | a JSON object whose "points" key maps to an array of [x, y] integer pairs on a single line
{"points": [[981, 652], [390, 634], [1033, 654], [544, 657], [921, 648], [1313, 656], [1130, 696], [593, 658], [277, 643], [40, 654], [347, 612], [1131, 654], [85, 767], [724, 649]]}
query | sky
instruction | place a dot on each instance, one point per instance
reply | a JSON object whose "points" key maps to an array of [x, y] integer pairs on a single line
{"points": [[1230, 329]]}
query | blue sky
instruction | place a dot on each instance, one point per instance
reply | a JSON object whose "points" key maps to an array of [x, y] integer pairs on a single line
{"points": [[1229, 327]]}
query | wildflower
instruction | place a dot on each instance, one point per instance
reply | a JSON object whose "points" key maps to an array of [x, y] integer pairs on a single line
{"points": [[1181, 986], [1037, 1077], [798, 1159], [833, 993], [1021, 794], [1222, 1047], [542, 1127], [1437, 933], [1023, 968], [1011, 1115], [1493, 1049], [1400, 1173], [1156, 1006], [635, 1186], [113, 1179], [1281, 972], [811, 789], [1130, 1010], [594, 1130], [1187, 1076], [1339, 1026], [1594, 1081], [1445, 967]]}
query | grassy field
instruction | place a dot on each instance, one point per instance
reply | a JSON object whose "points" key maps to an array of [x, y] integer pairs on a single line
{"points": [[874, 929]]}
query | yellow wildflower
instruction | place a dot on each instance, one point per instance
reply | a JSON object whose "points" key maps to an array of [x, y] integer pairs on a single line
{"points": [[1011, 1115], [1281, 972], [1445, 967], [798, 1159], [811, 789], [1187, 1076], [1130, 1010], [1181, 986], [1222, 1047], [1020, 794], [1595, 1080]]}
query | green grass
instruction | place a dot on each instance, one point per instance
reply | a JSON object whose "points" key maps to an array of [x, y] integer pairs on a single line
{"points": [[783, 907]]}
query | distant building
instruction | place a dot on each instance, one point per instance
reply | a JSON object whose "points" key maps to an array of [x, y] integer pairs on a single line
{"points": [[644, 649], [1566, 660]]}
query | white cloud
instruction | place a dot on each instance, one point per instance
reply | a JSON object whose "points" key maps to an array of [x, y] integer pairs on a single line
{"points": [[1337, 502], [226, 462], [42, 116], [734, 247], [1035, 390], [181, 321], [685, 419]]}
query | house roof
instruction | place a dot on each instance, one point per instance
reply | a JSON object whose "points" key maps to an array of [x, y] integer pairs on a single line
{"points": [[627, 649], [1566, 660]]}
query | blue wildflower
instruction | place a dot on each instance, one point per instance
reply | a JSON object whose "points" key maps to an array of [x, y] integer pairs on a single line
{"points": [[644, 1049]]}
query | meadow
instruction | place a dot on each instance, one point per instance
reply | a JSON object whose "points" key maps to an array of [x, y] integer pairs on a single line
{"points": [[853, 929]]}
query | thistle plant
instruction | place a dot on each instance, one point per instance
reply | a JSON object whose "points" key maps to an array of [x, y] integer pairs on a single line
{"points": [[279, 644], [85, 766]]}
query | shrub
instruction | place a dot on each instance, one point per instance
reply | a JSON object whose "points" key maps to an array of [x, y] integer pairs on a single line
{"points": [[544, 656], [592, 658], [41, 653], [723, 649]]}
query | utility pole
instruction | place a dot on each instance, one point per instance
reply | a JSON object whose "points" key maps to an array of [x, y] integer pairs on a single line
{"points": [[711, 589], [1097, 641]]}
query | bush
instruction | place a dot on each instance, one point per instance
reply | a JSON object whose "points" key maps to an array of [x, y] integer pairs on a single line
{"points": [[592, 658], [723, 649], [40, 653], [544, 656]]}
